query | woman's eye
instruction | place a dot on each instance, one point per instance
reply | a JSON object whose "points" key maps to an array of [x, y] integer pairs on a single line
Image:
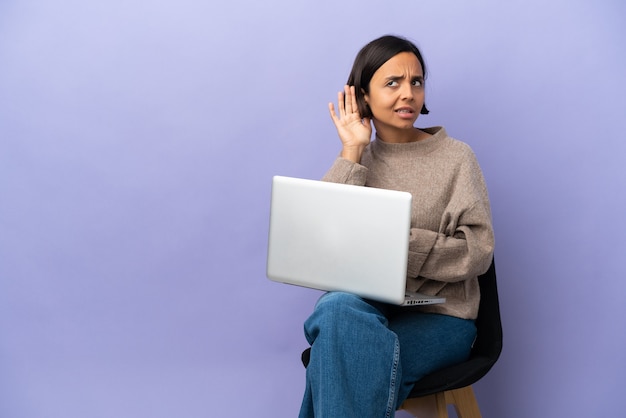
{"points": [[392, 83], [417, 82]]}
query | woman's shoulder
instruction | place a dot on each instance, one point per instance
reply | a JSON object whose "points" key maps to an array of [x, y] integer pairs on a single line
{"points": [[451, 144]]}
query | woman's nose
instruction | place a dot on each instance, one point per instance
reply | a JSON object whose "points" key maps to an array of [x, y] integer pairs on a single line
{"points": [[406, 91]]}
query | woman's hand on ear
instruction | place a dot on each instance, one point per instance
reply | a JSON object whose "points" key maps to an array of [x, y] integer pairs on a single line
{"points": [[355, 132]]}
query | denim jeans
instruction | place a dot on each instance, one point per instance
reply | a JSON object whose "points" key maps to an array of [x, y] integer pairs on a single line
{"points": [[366, 356]]}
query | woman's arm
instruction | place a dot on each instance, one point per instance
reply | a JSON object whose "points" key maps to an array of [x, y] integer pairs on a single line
{"points": [[457, 255], [463, 245]]}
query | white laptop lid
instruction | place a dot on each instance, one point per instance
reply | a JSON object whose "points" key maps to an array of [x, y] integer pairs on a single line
{"points": [[338, 237]]}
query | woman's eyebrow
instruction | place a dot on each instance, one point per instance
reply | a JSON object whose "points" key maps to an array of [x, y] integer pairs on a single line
{"points": [[401, 77]]}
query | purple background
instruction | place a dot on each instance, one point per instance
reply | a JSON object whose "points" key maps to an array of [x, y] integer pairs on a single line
{"points": [[137, 144]]}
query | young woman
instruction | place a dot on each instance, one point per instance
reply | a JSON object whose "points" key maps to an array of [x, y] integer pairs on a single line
{"points": [[365, 355]]}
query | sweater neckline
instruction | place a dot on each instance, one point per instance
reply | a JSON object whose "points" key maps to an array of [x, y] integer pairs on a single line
{"points": [[423, 147]]}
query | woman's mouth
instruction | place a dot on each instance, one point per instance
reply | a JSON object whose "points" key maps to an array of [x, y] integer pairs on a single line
{"points": [[405, 112]]}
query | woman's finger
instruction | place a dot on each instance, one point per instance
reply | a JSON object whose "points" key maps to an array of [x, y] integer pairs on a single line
{"points": [[333, 115], [348, 99], [355, 106], [341, 104]]}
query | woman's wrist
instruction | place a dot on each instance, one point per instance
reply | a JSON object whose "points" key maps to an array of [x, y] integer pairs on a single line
{"points": [[352, 153]]}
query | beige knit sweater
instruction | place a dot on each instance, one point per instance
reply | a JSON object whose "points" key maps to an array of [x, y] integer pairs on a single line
{"points": [[452, 239]]}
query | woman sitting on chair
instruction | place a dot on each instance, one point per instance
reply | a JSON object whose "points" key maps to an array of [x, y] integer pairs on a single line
{"points": [[365, 355]]}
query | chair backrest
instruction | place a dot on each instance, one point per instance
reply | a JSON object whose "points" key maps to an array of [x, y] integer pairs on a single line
{"points": [[488, 323]]}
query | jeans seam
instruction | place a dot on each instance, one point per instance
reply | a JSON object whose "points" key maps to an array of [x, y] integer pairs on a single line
{"points": [[391, 403]]}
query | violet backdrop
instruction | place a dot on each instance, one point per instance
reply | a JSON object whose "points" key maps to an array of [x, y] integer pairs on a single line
{"points": [[137, 144]]}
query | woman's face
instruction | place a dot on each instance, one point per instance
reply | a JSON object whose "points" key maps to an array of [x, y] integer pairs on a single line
{"points": [[396, 93]]}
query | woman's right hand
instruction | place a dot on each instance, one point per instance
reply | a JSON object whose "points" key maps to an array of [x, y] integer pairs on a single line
{"points": [[355, 133]]}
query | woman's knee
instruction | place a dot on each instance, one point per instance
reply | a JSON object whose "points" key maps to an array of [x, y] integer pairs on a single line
{"points": [[338, 300], [340, 311], [347, 305]]}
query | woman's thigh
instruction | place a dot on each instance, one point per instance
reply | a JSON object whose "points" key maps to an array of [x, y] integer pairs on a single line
{"points": [[429, 342]]}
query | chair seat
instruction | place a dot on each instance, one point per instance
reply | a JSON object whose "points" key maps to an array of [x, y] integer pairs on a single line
{"points": [[449, 378]]}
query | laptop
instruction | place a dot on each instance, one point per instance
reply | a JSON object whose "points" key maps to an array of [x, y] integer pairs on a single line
{"points": [[339, 237]]}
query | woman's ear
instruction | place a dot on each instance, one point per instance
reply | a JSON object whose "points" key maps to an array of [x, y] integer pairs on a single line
{"points": [[364, 106]]}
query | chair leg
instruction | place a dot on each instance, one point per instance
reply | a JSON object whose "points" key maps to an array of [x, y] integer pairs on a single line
{"points": [[435, 406], [464, 402], [432, 406]]}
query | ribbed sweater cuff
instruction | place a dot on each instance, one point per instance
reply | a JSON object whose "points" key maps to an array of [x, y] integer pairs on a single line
{"points": [[422, 242], [346, 172]]}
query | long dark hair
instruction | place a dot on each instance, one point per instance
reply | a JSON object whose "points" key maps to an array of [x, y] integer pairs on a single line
{"points": [[370, 58]]}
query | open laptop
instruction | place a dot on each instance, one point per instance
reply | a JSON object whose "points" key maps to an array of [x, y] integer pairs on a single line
{"points": [[338, 237]]}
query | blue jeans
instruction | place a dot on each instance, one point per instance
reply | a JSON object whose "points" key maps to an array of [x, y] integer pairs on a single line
{"points": [[366, 356]]}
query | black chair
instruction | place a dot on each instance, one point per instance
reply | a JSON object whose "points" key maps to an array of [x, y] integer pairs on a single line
{"points": [[452, 385]]}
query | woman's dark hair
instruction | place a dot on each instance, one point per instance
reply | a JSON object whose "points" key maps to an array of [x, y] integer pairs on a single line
{"points": [[370, 58]]}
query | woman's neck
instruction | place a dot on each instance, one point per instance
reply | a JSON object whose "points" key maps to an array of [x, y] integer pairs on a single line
{"points": [[400, 136]]}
